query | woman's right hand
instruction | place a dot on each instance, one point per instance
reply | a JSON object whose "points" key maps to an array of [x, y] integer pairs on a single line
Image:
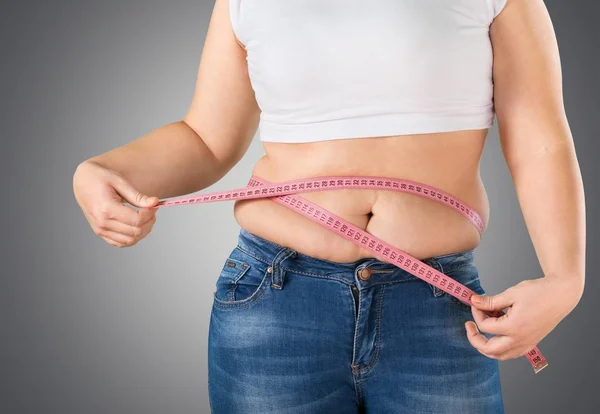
{"points": [[100, 193]]}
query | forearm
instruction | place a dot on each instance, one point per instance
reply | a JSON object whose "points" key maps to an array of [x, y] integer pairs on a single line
{"points": [[551, 196], [169, 161]]}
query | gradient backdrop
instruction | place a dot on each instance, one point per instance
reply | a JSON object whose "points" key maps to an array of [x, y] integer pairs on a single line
{"points": [[89, 328]]}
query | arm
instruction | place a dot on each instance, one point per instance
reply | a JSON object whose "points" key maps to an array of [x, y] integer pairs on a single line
{"points": [[539, 150], [195, 152], [536, 139]]}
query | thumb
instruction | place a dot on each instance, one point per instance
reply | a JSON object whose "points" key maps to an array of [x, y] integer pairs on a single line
{"points": [[492, 302], [133, 196]]}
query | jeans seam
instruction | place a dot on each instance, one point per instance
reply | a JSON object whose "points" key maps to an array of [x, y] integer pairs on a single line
{"points": [[244, 303], [357, 390], [265, 261], [346, 282], [238, 305], [317, 275], [393, 282], [382, 271], [245, 267], [366, 368], [459, 267], [354, 346]]}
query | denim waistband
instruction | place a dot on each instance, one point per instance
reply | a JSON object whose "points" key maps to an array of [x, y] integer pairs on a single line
{"points": [[268, 252]]}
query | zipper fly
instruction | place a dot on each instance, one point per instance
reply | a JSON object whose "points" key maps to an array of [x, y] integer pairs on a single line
{"points": [[356, 298]]}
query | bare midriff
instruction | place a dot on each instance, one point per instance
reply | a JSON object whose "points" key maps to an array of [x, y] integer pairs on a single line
{"points": [[420, 227]]}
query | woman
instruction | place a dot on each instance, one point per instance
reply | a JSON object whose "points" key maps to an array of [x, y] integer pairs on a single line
{"points": [[304, 321]]}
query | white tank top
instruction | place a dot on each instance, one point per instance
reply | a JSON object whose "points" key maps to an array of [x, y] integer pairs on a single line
{"points": [[335, 69]]}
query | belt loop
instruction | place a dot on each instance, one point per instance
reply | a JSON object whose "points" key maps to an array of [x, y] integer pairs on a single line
{"points": [[437, 266], [277, 272]]}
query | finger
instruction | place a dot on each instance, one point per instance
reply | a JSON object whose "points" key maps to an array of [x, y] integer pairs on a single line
{"points": [[118, 237], [147, 214], [490, 324], [507, 355], [476, 339], [124, 214], [147, 228], [131, 194], [138, 233], [112, 242], [126, 229], [493, 302], [498, 345]]}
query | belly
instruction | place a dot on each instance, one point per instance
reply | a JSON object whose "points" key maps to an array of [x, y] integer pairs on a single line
{"points": [[418, 226]]}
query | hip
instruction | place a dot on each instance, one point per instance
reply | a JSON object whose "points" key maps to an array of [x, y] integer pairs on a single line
{"points": [[392, 341]]}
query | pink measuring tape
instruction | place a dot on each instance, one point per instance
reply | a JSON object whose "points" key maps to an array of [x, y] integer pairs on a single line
{"points": [[284, 193]]}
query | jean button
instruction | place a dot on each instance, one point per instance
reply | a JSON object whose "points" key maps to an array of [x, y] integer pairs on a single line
{"points": [[364, 274]]}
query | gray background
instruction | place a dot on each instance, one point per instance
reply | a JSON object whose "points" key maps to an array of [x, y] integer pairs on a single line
{"points": [[89, 328]]}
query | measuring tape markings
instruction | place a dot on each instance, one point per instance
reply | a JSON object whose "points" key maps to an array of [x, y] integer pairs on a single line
{"points": [[284, 193]]}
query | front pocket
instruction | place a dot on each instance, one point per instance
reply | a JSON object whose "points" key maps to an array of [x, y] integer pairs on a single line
{"points": [[227, 282], [242, 280]]}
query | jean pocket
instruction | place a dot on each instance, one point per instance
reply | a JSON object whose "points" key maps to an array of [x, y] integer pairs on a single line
{"points": [[241, 282], [467, 275]]}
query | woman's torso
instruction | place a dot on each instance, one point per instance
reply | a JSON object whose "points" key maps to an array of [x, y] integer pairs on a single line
{"points": [[416, 225], [402, 74]]}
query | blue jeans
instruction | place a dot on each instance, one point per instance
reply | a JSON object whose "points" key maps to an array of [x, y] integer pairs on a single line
{"points": [[293, 334]]}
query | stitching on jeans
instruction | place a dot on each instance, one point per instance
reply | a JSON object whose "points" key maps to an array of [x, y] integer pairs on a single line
{"points": [[366, 368], [253, 255], [356, 331], [244, 303], [346, 282], [357, 390], [459, 267], [457, 254], [318, 275], [245, 267], [354, 303], [393, 282], [428, 261], [225, 306], [244, 270]]}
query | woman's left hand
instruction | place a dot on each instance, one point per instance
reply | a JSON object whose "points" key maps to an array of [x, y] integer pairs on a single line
{"points": [[536, 306]]}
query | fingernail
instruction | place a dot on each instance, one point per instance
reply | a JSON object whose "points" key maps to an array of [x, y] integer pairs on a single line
{"points": [[475, 298]]}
